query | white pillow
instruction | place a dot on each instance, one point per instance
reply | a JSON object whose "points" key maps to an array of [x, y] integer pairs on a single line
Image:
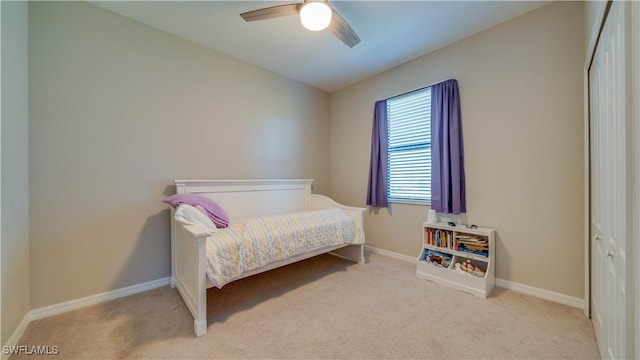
{"points": [[188, 214]]}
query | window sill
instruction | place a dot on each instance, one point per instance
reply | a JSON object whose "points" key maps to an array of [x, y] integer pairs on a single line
{"points": [[410, 202]]}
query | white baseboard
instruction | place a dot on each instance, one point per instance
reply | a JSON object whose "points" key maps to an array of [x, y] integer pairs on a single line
{"points": [[541, 293], [390, 254], [17, 334], [56, 309], [510, 285]]}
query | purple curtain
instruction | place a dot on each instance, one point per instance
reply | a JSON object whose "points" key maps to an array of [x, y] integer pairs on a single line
{"points": [[447, 157], [377, 189]]}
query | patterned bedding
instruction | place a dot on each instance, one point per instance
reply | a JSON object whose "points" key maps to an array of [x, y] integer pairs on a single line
{"points": [[256, 242]]}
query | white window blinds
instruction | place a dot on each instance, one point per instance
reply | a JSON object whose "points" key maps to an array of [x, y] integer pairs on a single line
{"points": [[409, 131]]}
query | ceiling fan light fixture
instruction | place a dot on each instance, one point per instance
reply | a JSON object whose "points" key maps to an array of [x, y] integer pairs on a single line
{"points": [[315, 16]]}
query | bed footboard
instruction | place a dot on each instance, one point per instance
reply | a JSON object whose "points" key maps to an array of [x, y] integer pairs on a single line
{"points": [[354, 253]]}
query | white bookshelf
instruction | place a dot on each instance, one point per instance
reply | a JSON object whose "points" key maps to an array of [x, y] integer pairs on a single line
{"points": [[444, 246]]}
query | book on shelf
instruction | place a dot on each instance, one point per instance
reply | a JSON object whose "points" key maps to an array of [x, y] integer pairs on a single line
{"points": [[439, 238], [471, 240], [477, 250], [473, 245]]}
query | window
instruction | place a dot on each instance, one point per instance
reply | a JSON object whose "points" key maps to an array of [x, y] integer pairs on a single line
{"points": [[409, 146]]}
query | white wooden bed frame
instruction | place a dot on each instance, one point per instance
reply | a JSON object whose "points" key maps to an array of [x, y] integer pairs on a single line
{"points": [[242, 199]]}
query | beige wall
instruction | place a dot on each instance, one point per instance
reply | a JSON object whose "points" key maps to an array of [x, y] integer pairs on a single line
{"points": [[15, 168], [117, 111], [522, 111]]}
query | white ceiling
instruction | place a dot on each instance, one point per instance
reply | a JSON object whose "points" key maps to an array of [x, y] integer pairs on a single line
{"points": [[392, 33]]}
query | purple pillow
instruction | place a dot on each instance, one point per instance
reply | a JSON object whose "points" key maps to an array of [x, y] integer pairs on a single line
{"points": [[212, 210]]}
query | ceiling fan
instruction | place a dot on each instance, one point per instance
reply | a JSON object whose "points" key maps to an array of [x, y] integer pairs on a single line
{"points": [[314, 14]]}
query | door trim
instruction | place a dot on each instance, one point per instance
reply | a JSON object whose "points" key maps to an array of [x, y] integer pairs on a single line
{"points": [[635, 91]]}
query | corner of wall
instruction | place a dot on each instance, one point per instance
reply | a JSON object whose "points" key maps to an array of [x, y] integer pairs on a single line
{"points": [[14, 171]]}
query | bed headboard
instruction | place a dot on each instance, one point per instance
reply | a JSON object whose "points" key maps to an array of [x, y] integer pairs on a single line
{"points": [[247, 198]]}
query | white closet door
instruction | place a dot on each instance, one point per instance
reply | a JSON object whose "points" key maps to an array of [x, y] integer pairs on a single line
{"points": [[609, 88]]}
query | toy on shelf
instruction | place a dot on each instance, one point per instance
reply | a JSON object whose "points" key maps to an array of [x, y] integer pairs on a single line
{"points": [[437, 258], [469, 268]]}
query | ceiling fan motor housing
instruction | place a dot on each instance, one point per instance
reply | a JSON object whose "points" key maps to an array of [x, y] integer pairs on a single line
{"points": [[315, 15]]}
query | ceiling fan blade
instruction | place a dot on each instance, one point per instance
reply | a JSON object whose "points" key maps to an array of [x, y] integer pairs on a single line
{"points": [[271, 12], [342, 30]]}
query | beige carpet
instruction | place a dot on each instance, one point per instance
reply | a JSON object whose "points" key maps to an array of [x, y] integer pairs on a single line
{"points": [[324, 307]]}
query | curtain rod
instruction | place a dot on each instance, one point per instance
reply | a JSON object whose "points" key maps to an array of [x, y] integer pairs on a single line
{"points": [[422, 88]]}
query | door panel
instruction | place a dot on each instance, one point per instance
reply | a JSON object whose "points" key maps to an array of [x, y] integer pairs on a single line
{"points": [[609, 148]]}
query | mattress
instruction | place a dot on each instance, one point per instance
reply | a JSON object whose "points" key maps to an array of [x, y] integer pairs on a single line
{"points": [[253, 243]]}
